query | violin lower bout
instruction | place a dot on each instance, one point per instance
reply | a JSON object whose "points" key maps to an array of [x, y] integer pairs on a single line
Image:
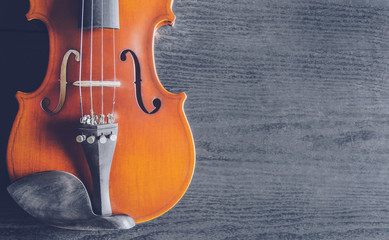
{"points": [[152, 165]]}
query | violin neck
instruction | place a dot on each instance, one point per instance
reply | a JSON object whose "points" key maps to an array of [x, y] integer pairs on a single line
{"points": [[99, 14]]}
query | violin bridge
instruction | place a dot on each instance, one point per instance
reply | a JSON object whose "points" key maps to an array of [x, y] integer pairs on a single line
{"points": [[96, 83]]}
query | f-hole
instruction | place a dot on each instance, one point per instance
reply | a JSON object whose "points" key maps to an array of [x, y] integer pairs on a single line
{"points": [[45, 103], [138, 83]]}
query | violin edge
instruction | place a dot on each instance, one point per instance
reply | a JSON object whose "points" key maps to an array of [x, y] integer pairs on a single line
{"points": [[31, 11], [168, 18], [33, 14], [11, 139]]}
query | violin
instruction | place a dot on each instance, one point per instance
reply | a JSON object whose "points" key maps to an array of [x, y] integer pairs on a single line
{"points": [[101, 91]]}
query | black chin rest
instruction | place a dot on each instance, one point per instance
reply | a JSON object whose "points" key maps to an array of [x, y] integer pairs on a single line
{"points": [[60, 199]]}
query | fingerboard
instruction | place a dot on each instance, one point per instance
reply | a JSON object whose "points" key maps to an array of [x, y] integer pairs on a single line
{"points": [[103, 13]]}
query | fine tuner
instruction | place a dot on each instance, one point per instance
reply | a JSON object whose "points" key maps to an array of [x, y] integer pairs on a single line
{"points": [[91, 139], [96, 122], [94, 119]]}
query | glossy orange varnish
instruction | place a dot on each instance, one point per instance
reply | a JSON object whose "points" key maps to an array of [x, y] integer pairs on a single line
{"points": [[154, 157]]}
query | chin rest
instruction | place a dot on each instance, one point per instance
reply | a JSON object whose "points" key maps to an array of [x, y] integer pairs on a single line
{"points": [[60, 199]]}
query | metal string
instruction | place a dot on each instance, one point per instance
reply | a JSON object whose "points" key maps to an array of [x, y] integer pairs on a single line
{"points": [[82, 33], [114, 67], [91, 61], [102, 57]]}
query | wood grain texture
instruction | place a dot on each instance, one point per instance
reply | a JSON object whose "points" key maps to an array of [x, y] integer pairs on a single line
{"points": [[288, 104], [153, 161]]}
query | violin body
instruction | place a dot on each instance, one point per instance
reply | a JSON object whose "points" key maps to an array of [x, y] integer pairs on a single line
{"points": [[154, 159]]}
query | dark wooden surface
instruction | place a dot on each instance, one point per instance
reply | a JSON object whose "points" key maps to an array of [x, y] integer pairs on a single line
{"points": [[288, 101]]}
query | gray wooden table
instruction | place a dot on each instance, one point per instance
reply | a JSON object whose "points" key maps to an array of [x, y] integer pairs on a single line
{"points": [[288, 101]]}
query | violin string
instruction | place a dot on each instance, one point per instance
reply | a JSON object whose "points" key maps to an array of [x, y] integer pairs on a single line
{"points": [[114, 65], [102, 57], [91, 61], [81, 45]]}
